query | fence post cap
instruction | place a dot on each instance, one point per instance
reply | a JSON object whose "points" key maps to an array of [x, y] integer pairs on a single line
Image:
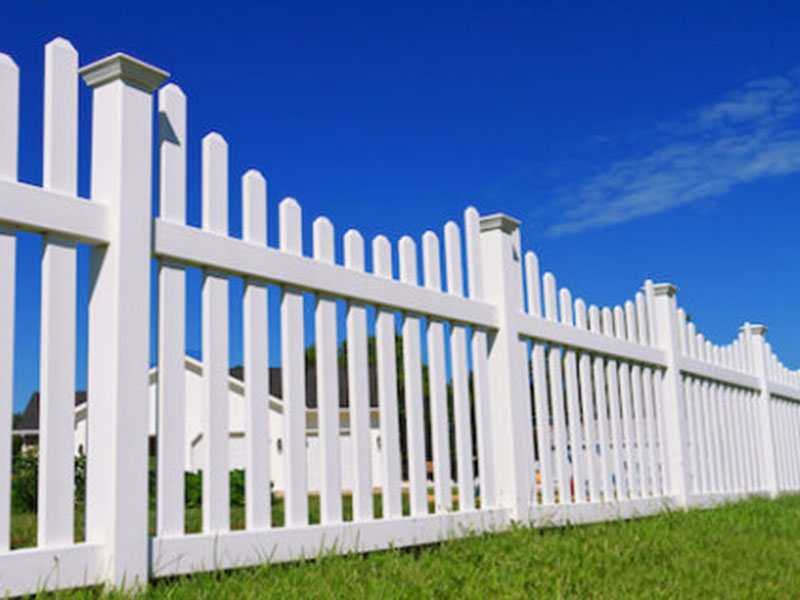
{"points": [[128, 69], [664, 289], [755, 329], [499, 221]]}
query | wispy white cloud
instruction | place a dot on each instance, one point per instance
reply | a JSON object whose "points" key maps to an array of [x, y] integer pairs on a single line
{"points": [[751, 133]]}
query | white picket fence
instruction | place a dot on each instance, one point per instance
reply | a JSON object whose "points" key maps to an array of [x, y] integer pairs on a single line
{"points": [[572, 413]]}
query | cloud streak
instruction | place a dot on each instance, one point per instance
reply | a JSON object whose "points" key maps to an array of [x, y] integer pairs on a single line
{"points": [[751, 133]]}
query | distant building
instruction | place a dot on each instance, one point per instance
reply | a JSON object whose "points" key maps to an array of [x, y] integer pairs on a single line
{"points": [[28, 425]]}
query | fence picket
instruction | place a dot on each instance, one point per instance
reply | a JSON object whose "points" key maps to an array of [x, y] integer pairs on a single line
{"points": [[387, 388], [327, 366], [625, 405], [256, 362], [590, 417], [539, 368], [614, 409], [59, 289], [440, 438], [358, 386], [460, 374], [412, 376], [647, 400], [9, 127], [637, 403], [662, 475], [598, 370], [691, 404], [561, 472], [698, 389], [724, 415], [573, 406], [170, 456], [480, 376], [293, 373], [216, 495]]}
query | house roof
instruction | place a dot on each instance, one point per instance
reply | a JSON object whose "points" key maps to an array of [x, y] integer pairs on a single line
{"points": [[30, 417], [29, 421], [275, 384]]}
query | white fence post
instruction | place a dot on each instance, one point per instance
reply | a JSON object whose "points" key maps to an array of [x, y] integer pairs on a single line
{"points": [[119, 315], [756, 341], [512, 429], [674, 407]]}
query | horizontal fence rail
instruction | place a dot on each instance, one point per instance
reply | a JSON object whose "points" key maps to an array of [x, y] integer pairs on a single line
{"points": [[459, 393]]}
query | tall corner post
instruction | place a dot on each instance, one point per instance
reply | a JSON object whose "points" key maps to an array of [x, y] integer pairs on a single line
{"points": [[119, 316], [757, 345], [674, 406], [509, 389]]}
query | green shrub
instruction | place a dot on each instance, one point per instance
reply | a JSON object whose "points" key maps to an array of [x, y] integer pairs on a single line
{"points": [[193, 488], [24, 477]]}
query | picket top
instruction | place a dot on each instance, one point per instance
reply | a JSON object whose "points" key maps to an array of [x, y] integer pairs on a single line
{"points": [[128, 69]]}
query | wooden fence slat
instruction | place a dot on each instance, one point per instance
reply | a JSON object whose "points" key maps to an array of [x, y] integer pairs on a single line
{"points": [[647, 400], [741, 440], [540, 392], [293, 374], [171, 379], [749, 419], [637, 402], [573, 405], [587, 402], [612, 382], [752, 447], [724, 420], [256, 362], [795, 440], [412, 376], [59, 288], [708, 412], [703, 414], [387, 388], [744, 421], [694, 409], [358, 387], [326, 339], [216, 494], [625, 404], [662, 478], [9, 117], [437, 386], [460, 374], [711, 420], [556, 395], [9, 128], [693, 462], [480, 374], [603, 436], [719, 423]]}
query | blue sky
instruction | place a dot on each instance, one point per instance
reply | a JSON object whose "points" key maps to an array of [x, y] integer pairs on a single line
{"points": [[633, 140]]}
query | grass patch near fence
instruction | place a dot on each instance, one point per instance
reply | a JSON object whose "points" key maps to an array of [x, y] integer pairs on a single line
{"points": [[748, 549]]}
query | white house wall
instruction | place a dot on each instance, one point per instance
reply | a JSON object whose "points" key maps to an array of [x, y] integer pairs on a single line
{"points": [[194, 438]]}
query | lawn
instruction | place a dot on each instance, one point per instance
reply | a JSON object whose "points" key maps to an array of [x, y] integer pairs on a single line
{"points": [[749, 549]]}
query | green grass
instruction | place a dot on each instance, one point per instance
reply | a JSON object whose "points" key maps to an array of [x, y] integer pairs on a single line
{"points": [[23, 524], [750, 549]]}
